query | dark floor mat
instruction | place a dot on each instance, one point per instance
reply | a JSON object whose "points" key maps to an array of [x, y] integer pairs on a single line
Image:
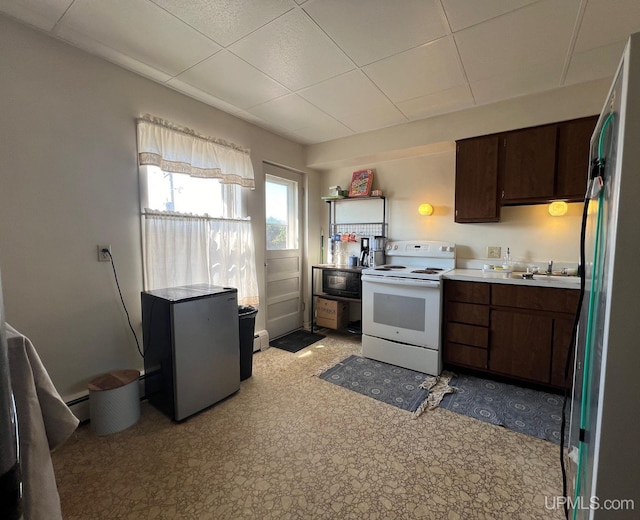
{"points": [[296, 340]]}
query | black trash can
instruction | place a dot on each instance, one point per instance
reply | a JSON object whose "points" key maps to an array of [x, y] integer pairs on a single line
{"points": [[247, 320]]}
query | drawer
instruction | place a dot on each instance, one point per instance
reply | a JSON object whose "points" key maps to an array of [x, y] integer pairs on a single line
{"points": [[470, 313], [536, 298], [468, 334], [465, 355], [469, 292]]}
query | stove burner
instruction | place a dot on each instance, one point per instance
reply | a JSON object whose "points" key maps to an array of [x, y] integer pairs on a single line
{"points": [[381, 269], [388, 267], [434, 268], [427, 271]]}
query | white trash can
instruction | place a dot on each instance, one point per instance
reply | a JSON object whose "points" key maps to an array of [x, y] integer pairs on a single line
{"points": [[114, 401]]}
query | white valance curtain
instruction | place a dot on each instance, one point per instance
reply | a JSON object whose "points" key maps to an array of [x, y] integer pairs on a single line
{"points": [[177, 149], [182, 249]]}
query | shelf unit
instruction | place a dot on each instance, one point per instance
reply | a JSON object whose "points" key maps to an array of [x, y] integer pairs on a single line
{"points": [[362, 216]]}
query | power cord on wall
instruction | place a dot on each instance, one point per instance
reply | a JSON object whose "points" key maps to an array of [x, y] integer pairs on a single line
{"points": [[115, 275]]}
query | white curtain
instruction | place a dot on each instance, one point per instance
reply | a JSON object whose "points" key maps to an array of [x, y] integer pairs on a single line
{"points": [[231, 250], [181, 248], [176, 250]]}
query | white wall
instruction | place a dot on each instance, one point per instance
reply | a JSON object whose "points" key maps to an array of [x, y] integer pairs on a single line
{"points": [[69, 181], [529, 231]]}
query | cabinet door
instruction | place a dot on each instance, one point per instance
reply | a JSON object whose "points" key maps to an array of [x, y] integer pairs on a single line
{"points": [[573, 157], [529, 164], [520, 345], [562, 329], [477, 180]]}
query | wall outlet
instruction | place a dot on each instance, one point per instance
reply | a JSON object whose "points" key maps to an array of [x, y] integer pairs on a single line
{"points": [[494, 252], [104, 257]]}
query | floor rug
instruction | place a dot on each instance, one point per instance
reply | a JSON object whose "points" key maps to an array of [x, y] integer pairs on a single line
{"points": [[524, 410], [400, 387], [296, 340]]}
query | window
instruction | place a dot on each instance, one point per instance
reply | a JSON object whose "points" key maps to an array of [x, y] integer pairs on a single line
{"points": [[194, 226], [281, 213]]}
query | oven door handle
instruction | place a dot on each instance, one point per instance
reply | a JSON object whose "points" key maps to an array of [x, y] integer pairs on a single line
{"points": [[392, 280]]}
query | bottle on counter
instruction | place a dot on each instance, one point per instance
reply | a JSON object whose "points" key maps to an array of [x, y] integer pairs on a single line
{"points": [[506, 262]]}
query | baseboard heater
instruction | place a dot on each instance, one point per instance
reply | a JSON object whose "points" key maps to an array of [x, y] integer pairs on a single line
{"points": [[260, 340]]}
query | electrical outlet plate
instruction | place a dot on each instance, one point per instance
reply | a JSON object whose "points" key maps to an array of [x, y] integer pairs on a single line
{"points": [[494, 252], [104, 257]]}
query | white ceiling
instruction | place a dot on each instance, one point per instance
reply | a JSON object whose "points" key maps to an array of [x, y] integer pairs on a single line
{"points": [[315, 70]]}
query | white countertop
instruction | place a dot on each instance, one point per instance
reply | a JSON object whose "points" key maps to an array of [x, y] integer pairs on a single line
{"points": [[515, 278]]}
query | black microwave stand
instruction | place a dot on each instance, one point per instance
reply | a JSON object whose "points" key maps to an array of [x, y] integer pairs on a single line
{"points": [[317, 292]]}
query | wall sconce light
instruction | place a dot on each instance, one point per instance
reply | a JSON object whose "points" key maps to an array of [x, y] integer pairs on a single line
{"points": [[558, 208], [425, 209]]}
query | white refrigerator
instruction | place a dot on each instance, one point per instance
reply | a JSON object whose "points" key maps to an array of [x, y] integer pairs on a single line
{"points": [[602, 456]]}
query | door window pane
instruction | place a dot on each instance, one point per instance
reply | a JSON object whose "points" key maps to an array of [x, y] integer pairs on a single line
{"points": [[281, 210]]}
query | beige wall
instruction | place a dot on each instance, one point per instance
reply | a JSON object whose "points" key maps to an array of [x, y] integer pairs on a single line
{"points": [[529, 231], [69, 181]]}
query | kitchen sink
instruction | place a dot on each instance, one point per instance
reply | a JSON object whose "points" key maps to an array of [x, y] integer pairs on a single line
{"points": [[550, 278]]}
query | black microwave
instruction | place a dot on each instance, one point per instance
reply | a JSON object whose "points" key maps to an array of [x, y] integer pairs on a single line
{"points": [[341, 283]]}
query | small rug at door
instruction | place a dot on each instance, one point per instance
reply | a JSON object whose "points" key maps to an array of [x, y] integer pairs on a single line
{"points": [[524, 410], [296, 340], [400, 387]]}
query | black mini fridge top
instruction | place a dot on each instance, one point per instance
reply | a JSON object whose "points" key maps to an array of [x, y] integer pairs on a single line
{"points": [[191, 347]]}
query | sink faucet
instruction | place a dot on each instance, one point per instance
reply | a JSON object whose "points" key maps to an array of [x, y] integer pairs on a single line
{"points": [[550, 267]]}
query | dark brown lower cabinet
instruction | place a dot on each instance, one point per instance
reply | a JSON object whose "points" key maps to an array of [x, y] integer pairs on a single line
{"points": [[521, 332], [562, 346], [520, 345]]}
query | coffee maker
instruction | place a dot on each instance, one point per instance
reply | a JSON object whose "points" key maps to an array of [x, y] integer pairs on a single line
{"points": [[364, 252], [377, 246]]}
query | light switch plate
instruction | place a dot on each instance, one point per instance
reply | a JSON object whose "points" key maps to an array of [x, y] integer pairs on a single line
{"points": [[494, 252]]}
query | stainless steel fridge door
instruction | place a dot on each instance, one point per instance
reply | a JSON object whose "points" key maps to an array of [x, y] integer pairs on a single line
{"points": [[206, 352]]}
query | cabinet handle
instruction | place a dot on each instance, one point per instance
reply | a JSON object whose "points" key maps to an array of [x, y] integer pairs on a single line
{"points": [[503, 194]]}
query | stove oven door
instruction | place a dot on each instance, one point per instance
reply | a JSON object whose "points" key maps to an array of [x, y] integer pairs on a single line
{"points": [[402, 310]]}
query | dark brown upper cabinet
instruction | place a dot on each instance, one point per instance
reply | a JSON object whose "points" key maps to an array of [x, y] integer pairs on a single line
{"points": [[477, 180], [528, 166], [572, 170]]}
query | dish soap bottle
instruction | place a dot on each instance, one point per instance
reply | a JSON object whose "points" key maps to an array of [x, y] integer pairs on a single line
{"points": [[507, 260]]}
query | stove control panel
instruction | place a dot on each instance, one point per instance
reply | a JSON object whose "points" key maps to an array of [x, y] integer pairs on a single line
{"points": [[421, 248]]}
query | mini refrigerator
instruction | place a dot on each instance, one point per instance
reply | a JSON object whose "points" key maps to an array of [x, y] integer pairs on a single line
{"points": [[191, 347]]}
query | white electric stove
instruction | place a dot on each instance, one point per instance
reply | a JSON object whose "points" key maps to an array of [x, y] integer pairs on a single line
{"points": [[401, 305]]}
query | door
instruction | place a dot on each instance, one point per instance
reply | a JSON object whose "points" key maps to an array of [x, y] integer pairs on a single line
{"points": [[283, 259]]}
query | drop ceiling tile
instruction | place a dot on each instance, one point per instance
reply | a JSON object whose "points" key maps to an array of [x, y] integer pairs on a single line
{"points": [[537, 79], [346, 94], [373, 118], [290, 112], [449, 100], [463, 13], [226, 21], [227, 77], [43, 14], [512, 43], [293, 51], [601, 62], [318, 133], [122, 25], [429, 68], [369, 30], [606, 22]]}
